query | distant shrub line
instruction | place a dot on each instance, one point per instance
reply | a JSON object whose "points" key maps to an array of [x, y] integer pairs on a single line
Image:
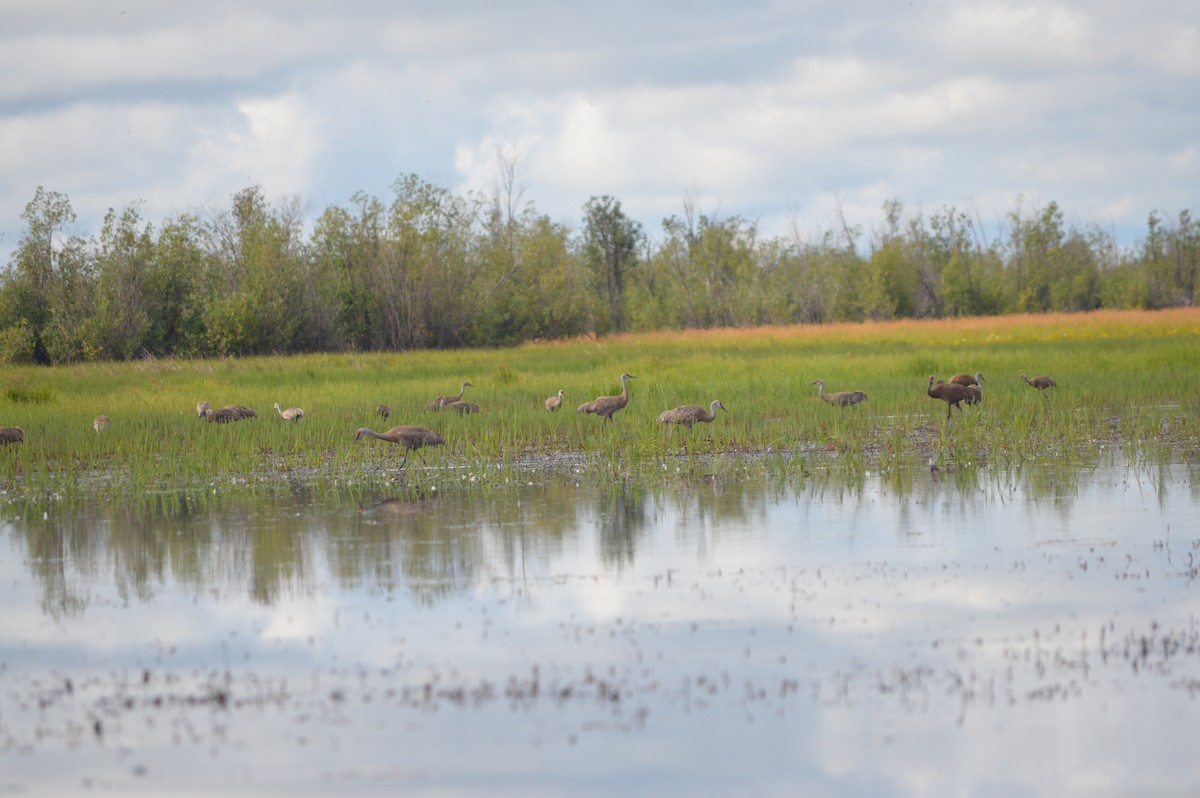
{"points": [[438, 269]]}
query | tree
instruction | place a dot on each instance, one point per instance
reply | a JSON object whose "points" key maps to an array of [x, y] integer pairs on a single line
{"points": [[611, 242], [32, 289]]}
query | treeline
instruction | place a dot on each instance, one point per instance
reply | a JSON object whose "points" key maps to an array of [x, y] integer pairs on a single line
{"points": [[434, 268]]}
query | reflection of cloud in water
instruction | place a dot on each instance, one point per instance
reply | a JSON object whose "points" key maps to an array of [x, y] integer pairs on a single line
{"points": [[816, 636]]}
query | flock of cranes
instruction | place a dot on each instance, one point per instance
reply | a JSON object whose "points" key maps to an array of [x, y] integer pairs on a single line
{"points": [[958, 390]]}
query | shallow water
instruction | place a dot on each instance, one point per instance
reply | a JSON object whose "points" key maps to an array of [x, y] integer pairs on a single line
{"points": [[1012, 633]]}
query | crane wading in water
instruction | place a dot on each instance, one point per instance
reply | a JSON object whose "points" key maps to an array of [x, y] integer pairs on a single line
{"points": [[687, 415], [607, 405], [406, 436], [840, 398]]}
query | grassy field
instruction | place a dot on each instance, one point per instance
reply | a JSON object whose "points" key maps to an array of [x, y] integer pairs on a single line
{"points": [[1124, 378]]}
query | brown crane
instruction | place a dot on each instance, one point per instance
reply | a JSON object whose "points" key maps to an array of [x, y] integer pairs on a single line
{"points": [[290, 414], [222, 416], [384, 411], [101, 423], [949, 393], [607, 405], [976, 394], [840, 398], [441, 402], [967, 379], [462, 408], [1041, 383], [241, 411], [687, 415], [406, 436], [11, 435], [555, 402]]}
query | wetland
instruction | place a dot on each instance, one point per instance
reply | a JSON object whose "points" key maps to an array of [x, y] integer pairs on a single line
{"points": [[796, 598]]}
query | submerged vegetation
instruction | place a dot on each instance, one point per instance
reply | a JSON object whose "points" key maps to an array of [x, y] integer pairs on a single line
{"points": [[1127, 379], [431, 268]]}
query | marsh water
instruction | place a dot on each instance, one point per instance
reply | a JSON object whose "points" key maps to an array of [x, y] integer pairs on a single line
{"points": [[1019, 632]]}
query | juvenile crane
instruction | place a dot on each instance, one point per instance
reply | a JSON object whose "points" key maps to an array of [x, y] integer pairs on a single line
{"points": [[1041, 383], [976, 393], [290, 414], [441, 402], [687, 415], [462, 408], [608, 405], [384, 411], [101, 423], [406, 436], [967, 379], [202, 409], [11, 435], [840, 398], [555, 402], [949, 393]]}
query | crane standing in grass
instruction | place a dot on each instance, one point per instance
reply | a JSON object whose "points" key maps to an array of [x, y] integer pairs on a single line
{"points": [[1041, 383], [555, 402], [290, 414], [840, 398], [441, 402], [101, 423], [687, 415], [406, 436], [967, 379], [11, 435], [949, 393], [608, 405]]}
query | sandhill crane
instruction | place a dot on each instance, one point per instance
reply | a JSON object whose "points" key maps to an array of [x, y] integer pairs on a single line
{"points": [[949, 393], [407, 436], [202, 409], [11, 435], [290, 414], [607, 405], [687, 415], [976, 394], [222, 416], [555, 402], [967, 379], [241, 410], [462, 408], [441, 402], [1041, 383], [384, 411], [841, 398], [101, 423]]}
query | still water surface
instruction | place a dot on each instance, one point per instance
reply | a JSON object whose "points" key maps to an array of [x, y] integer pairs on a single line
{"points": [[1022, 633]]}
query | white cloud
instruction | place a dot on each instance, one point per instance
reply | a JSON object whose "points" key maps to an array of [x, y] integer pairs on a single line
{"points": [[765, 110]]}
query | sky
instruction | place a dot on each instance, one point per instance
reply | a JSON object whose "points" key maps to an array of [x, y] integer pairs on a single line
{"points": [[791, 114]]}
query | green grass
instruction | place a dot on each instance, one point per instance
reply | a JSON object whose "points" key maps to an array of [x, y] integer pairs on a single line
{"points": [[1131, 379]]}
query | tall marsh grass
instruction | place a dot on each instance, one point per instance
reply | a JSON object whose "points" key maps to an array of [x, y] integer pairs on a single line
{"points": [[1125, 379]]}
